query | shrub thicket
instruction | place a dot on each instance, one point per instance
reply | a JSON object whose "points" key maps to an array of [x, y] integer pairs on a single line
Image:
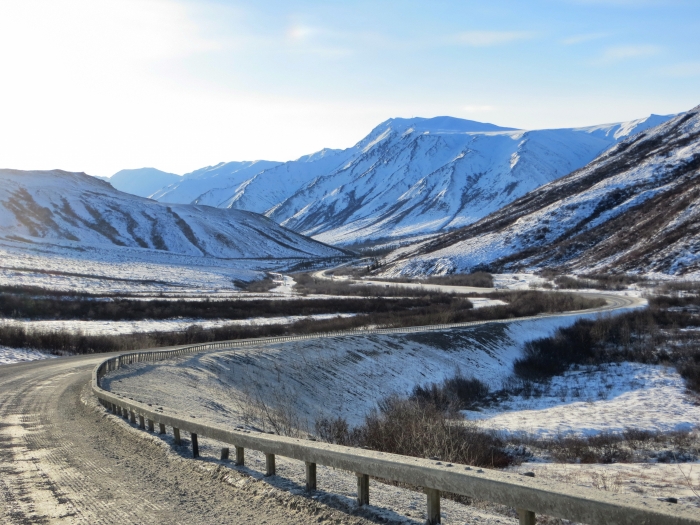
{"points": [[650, 335], [413, 428], [454, 393]]}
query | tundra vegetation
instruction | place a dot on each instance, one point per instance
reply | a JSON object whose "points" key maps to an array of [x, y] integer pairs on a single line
{"points": [[375, 312]]}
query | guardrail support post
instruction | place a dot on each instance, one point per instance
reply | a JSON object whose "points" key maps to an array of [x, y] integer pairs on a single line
{"points": [[362, 489], [195, 445], [125, 413], [310, 476], [132, 416], [176, 433], [269, 464], [527, 517], [150, 425], [224, 453], [433, 506], [142, 422], [161, 428], [240, 455]]}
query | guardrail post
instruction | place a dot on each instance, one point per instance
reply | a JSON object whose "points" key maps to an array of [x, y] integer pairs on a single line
{"points": [[124, 413], [142, 422], [433, 506], [176, 434], [224, 453], [240, 455], [195, 445], [150, 425], [362, 489], [310, 476], [269, 464], [132, 416], [161, 429], [527, 517]]}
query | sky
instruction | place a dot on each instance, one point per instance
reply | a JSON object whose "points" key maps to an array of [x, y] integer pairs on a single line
{"points": [[98, 86]]}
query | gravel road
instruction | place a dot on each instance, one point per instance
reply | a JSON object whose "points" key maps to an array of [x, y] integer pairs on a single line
{"points": [[61, 461]]}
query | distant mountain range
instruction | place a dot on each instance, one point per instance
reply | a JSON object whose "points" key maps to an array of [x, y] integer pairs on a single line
{"points": [[636, 208], [407, 177], [74, 209], [143, 182]]}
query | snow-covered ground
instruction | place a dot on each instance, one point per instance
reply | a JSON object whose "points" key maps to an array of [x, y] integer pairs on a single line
{"points": [[590, 400], [340, 376], [123, 270], [18, 355], [151, 325]]}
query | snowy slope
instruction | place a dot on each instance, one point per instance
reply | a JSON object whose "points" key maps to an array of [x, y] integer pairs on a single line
{"points": [[268, 188], [143, 181], [221, 176], [635, 208], [74, 209]]}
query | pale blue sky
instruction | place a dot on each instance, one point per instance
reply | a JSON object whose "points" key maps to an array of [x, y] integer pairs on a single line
{"points": [[100, 86]]}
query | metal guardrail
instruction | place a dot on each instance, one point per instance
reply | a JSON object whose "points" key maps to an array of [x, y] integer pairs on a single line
{"points": [[528, 495]]}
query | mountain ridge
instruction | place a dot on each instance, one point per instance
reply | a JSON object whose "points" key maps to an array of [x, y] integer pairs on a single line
{"points": [[406, 177], [77, 209], [633, 209]]}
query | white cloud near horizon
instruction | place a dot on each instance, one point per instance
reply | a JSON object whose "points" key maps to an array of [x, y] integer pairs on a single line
{"points": [[621, 53], [581, 39]]}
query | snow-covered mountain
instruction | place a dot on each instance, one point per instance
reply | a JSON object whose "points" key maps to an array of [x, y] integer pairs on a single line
{"points": [[407, 177], [142, 181], [636, 208], [74, 209], [221, 176]]}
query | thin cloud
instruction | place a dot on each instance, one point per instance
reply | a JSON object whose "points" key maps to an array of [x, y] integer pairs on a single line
{"points": [[580, 39], [490, 38], [621, 53]]}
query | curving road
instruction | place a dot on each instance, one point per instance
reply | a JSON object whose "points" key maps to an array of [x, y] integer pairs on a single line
{"points": [[62, 462]]}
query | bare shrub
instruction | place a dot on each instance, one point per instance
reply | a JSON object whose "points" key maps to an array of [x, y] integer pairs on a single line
{"points": [[455, 393], [411, 428]]}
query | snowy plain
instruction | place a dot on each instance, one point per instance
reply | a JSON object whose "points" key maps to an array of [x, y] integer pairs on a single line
{"points": [[591, 400]]}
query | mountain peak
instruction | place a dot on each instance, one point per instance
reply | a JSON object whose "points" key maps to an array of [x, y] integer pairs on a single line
{"points": [[442, 124]]}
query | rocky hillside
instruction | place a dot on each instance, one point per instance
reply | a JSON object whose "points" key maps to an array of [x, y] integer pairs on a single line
{"points": [[633, 209]]}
